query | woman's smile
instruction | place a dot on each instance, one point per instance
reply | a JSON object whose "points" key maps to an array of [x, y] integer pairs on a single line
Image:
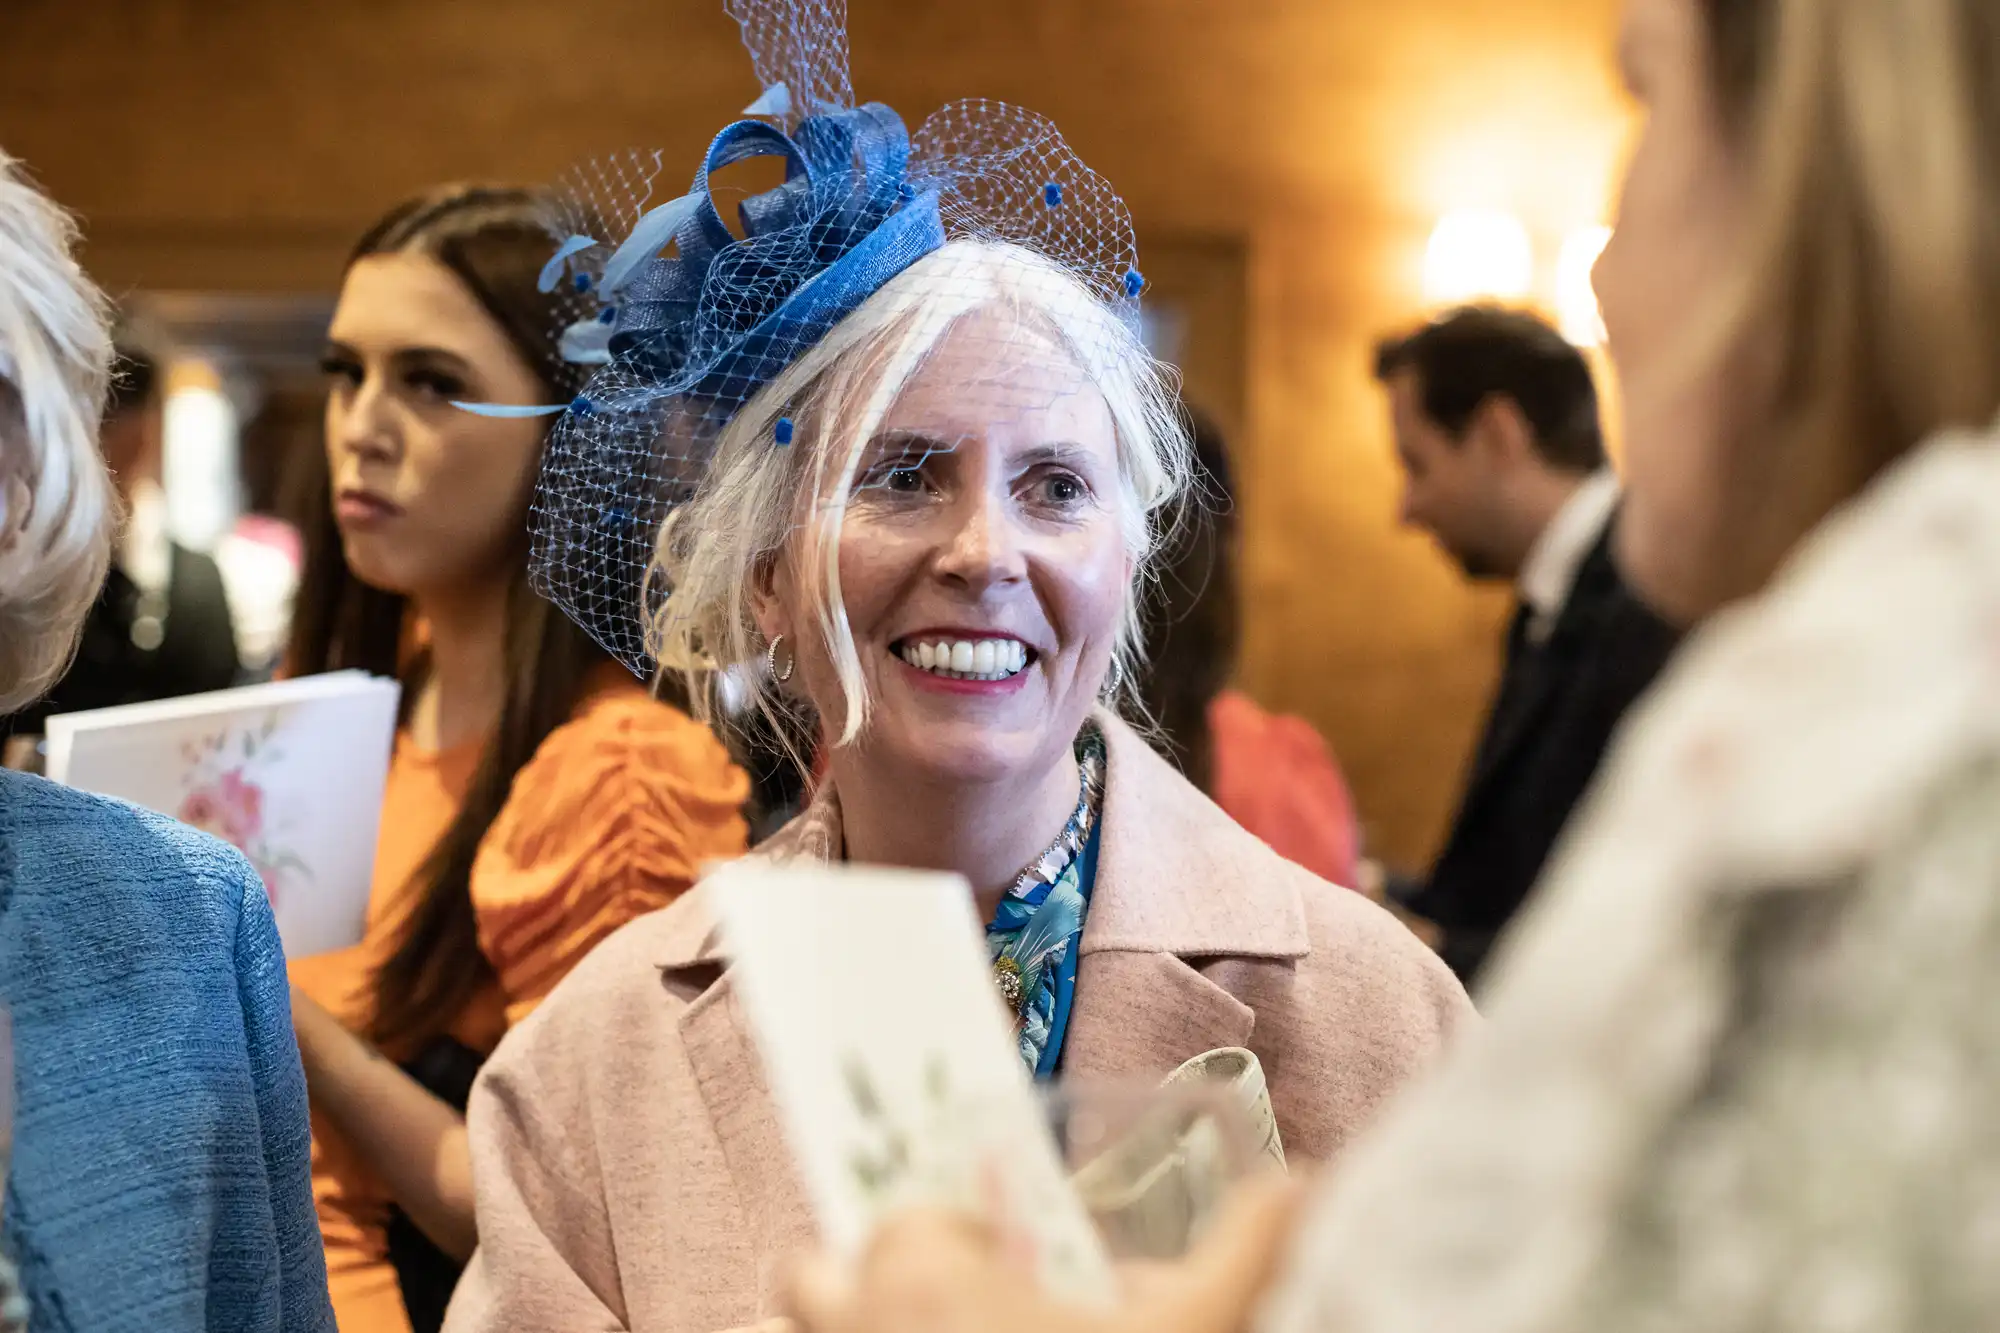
{"points": [[965, 664]]}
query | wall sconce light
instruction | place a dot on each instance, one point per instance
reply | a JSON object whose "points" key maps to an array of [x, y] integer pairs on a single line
{"points": [[1478, 255], [1576, 299]]}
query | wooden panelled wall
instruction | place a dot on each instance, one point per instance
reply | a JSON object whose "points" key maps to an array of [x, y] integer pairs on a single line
{"points": [[241, 144]]}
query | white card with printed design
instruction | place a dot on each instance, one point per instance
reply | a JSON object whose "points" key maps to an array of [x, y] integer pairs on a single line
{"points": [[290, 773], [888, 1051]]}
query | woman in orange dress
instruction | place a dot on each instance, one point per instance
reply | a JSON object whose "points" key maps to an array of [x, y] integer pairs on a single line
{"points": [[539, 796]]}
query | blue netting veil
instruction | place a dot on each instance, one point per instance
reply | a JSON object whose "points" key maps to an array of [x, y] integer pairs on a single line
{"points": [[685, 318]]}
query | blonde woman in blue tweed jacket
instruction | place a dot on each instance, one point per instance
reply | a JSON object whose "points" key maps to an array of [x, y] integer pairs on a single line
{"points": [[158, 1180]]}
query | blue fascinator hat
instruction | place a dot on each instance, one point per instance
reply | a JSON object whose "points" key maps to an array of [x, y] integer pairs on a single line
{"points": [[682, 320]]}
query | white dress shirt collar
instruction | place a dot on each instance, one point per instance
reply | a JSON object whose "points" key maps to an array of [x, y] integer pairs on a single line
{"points": [[1549, 572]]}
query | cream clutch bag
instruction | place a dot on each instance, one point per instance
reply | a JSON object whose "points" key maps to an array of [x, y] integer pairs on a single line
{"points": [[1152, 1191]]}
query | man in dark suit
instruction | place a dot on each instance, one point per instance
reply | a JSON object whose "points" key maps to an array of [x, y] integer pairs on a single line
{"points": [[161, 628], [1497, 430]]}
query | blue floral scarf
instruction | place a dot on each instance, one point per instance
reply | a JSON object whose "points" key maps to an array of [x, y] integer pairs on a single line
{"points": [[1034, 933]]}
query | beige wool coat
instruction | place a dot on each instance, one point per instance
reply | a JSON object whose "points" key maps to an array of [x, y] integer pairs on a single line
{"points": [[629, 1164]]}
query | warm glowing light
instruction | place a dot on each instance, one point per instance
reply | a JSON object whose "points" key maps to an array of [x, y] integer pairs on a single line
{"points": [[1576, 298], [1476, 255]]}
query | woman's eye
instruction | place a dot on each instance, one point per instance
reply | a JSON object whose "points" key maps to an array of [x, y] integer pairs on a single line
{"points": [[899, 476], [338, 368], [1064, 490], [436, 384]]}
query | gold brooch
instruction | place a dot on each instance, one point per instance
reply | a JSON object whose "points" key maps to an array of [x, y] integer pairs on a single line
{"points": [[1007, 976]]}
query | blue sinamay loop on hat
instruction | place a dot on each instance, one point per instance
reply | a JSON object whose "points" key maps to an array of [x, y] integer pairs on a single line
{"points": [[813, 250]]}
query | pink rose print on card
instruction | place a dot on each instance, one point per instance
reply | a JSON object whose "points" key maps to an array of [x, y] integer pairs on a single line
{"points": [[231, 808], [223, 796]]}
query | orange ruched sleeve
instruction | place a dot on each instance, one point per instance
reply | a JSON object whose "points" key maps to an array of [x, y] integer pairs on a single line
{"points": [[614, 817]]}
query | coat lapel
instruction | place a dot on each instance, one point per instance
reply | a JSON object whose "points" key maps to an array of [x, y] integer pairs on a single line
{"points": [[722, 1052], [723, 1055], [1177, 880], [1146, 1014], [730, 1076]]}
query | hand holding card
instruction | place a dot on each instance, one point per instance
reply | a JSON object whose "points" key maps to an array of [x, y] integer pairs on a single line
{"points": [[889, 1057]]}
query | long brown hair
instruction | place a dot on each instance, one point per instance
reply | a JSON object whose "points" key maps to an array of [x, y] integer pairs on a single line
{"points": [[1192, 614], [494, 240], [1870, 133]]}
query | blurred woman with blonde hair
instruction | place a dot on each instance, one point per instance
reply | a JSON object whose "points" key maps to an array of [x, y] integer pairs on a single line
{"points": [[158, 1175], [1743, 1056]]}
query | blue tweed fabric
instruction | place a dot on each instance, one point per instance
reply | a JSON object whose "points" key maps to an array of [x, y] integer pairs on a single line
{"points": [[160, 1178]]}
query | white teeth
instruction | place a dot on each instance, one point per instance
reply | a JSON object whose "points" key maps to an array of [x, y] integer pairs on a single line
{"points": [[966, 659]]}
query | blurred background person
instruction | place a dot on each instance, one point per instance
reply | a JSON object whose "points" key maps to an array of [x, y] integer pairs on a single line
{"points": [[161, 626], [538, 798], [1741, 1059], [157, 1177], [1497, 431], [1271, 774]]}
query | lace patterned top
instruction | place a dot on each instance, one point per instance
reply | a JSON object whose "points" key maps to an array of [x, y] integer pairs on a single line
{"points": [[1744, 1050]]}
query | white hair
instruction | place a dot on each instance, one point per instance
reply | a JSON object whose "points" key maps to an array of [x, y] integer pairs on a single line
{"points": [[56, 503], [761, 503]]}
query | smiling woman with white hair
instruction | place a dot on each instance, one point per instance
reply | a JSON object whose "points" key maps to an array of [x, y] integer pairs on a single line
{"points": [[158, 1173], [895, 457]]}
